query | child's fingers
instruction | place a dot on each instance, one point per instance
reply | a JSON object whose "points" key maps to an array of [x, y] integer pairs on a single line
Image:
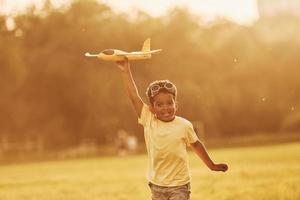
{"points": [[224, 167], [123, 62], [120, 62]]}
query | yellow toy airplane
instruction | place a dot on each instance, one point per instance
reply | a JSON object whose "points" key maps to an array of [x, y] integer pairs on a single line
{"points": [[118, 55]]}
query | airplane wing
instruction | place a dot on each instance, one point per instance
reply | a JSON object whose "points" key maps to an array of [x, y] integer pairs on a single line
{"points": [[137, 53], [132, 53]]}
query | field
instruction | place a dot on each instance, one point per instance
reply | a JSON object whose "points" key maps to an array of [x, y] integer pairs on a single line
{"points": [[264, 172]]}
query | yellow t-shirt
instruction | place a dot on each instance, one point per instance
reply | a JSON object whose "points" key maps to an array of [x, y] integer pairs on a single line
{"points": [[166, 144]]}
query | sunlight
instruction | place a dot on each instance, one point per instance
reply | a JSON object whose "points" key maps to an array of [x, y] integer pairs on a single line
{"points": [[243, 12], [11, 7], [15, 6], [235, 10]]}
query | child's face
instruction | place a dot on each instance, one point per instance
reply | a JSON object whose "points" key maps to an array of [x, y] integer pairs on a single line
{"points": [[164, 106]]}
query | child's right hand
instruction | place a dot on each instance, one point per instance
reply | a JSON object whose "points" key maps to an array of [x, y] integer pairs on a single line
{"points": [[220, 167], [124, 64]]}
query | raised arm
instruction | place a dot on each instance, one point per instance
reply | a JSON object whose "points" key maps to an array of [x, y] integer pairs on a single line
{"points": [[130, 86], [200, 150]]}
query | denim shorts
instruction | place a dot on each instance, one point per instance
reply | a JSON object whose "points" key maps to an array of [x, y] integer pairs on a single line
{"points": [[170, 193]]}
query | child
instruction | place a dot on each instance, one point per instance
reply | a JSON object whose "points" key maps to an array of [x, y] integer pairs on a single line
{"points": [[167, 137]]}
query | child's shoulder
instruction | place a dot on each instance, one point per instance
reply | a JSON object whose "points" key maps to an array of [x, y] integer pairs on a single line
{"points": [[184, 121]]}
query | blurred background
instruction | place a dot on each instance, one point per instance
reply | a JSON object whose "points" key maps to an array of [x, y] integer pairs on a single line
{"points": [[236, 68]]}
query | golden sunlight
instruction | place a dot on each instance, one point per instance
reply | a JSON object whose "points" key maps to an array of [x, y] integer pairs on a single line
{"points": [[11, 7], [243, 12], [239, 11]]}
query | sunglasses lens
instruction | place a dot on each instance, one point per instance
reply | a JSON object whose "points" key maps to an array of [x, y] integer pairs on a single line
{"points": [[169, 85], [155, 88]]}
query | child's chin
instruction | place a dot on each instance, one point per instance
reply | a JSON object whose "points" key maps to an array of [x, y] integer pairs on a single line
{"points": [[166, 119]]}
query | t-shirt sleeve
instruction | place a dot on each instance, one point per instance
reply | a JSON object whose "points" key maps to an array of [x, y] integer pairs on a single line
{"points": [[145, 117], [191, 134]]}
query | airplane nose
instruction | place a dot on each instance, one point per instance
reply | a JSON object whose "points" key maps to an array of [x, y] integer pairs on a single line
{"points": [[87, 54]]}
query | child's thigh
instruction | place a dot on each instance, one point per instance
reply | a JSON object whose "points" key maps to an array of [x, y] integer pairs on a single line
{"points": [[158, 193], [180, 193]]}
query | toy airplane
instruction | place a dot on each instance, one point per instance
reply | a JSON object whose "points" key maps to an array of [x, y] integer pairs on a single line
{"points": [[118, 55]]}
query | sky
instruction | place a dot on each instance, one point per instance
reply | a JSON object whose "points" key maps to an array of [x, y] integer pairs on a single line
{"points": [[239, 11]]}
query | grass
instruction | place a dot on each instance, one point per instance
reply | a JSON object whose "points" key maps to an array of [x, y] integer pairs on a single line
{"points": [[265, 172]]}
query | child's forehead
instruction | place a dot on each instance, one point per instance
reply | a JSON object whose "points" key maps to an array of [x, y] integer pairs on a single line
{"points": [[163, 96]]}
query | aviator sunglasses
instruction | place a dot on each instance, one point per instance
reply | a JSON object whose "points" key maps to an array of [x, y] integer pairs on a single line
{"points": [[156, 88]]}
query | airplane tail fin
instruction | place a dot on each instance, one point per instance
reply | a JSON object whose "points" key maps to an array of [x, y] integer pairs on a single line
{"points": [[146, 45]]}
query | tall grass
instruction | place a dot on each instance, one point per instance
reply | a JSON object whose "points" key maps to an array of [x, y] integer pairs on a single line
{"points": [[268, 172]]}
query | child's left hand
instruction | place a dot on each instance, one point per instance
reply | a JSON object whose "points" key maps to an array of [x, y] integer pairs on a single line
{"points": [[123, 65], [220, 167]]}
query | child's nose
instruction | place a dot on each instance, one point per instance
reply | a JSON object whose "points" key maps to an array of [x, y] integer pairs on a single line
{"points": [[165, 107]]}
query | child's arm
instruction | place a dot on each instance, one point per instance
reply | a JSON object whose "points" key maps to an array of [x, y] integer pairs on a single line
{"points": [[200, 150], [130, 86]]}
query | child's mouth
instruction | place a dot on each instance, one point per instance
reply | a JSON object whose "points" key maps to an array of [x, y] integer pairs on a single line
{"points": [[166, 115]]}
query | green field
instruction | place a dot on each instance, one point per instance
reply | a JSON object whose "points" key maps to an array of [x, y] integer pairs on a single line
{"points": [[265, 172]]}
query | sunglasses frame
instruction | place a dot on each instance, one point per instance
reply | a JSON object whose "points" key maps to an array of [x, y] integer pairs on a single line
{"points": [[168, 86]]}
